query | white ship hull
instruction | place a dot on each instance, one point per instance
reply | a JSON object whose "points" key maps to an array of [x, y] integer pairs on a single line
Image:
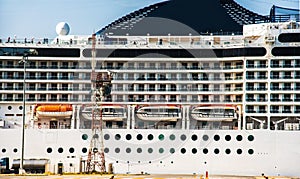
{"points": [[274, 152]]}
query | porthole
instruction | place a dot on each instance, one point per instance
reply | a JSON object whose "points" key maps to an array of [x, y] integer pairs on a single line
{"points": [[106, 150], [183, 137], [3, 150], [160, 162], [84, 150], [194, 150], [172, 137], [49, 150], [117, 136], [194, 137], [161, 137], [251, 151], [227, 151], [128, 150], [150, 150], [117, 150], [128, 137], [139, 137], [172, 150], [95, 149], [71, 150], [106, 136], [239, 137], [239, 151], [216, 151], [205, 137], [95, 136], [216, 137], [149, 161], [250, 137], [139, 150], [227, 137], [9, 107], [205, 151], [60, 150], [183, 150], [161, 150], [84, 136], [150, 137], [15, 150], [20, 107], [172, 162]]}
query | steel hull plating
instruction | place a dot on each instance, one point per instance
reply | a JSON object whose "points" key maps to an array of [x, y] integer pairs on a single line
{"points": [[274, 152]]}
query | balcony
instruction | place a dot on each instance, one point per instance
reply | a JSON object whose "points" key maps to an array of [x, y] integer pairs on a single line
{"points": [[250, 100], [275, 65], [42, 67], [274, 76], [41, 99], [287, 66], [250, 88], [261, 89], [274, 111], [286, 111], [275, 88], [287, 88], [286, 100], [250, 77], [275, 100], [261, 77]]}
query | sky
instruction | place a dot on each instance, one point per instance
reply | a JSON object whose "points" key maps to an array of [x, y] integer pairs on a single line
{"points": [[38, 18]]}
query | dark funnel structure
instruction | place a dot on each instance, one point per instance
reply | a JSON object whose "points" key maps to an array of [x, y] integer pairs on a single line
{"points": [[184, 17]]}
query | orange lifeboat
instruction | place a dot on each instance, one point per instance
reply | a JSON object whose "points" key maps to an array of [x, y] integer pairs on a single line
{"points": [[54, 111]]}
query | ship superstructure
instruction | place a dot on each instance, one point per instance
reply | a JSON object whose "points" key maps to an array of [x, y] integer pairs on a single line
{"points": [[204, 100]]}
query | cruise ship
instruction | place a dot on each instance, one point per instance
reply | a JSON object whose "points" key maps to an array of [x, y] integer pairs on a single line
{"points": [[172, 90]]}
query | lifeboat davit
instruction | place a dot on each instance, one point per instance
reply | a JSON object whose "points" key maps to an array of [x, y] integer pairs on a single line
{"points": [[159, 113], [214, 113], [54, 111], [109, 112]]}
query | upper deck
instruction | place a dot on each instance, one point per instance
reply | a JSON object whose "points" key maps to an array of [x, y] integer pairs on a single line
{"points": [[255, 35]]}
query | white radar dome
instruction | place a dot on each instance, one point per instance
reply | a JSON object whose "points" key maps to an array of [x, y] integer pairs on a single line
{"points": [[62, 28]]}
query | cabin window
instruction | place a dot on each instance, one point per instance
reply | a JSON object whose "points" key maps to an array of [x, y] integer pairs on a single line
{"points": [[205, 150], [49, 150], [117, 150], [239, 151], [216, 151], [128, 150], [84, 150], [194, 150], [172, 150], [183, 150], [227, 151], [250, 151]]}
